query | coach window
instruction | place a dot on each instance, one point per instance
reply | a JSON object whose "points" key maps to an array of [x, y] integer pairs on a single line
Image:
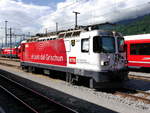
{"points": [[85, 45], [140, 49]]}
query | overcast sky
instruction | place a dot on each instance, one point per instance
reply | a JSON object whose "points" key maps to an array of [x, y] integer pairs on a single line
{"points": [[37, 15]]}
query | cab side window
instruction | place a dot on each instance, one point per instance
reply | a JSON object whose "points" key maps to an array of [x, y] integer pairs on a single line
{"points": [[85, 45]]}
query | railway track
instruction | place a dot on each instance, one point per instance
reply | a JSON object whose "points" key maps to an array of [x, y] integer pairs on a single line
{"points": [[136, 95], [10, 65], [14, 102], [34, 101], [10, 62], [10, 59]]}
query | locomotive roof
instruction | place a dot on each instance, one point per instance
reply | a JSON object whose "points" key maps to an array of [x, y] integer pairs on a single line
{"points": [[74, 33], [24, 41]]}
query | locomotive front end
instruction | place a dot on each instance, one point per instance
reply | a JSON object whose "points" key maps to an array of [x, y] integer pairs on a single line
{"points": [[109, 47]]}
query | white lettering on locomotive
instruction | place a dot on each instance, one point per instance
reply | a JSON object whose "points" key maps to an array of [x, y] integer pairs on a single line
{"points": [[47, 57]]}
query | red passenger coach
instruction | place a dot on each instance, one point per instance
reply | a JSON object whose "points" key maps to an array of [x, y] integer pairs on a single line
{"points": [[138, 50]]}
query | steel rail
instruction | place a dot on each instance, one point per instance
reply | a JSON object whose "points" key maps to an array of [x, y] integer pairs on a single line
{"points": [[132, 95], [15, 97], [138, 91], [139, 77]]}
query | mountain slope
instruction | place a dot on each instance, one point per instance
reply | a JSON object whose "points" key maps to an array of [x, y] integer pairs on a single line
{"points": [[137, 26]]}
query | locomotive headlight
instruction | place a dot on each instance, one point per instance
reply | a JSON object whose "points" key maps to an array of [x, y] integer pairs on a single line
{"points": [[104, 63]]}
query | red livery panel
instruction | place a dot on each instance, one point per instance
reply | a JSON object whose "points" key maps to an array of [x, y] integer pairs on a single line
{"points": [[46, 52]]}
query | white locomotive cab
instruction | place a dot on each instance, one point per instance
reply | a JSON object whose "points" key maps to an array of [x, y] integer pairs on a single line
{"points": [[99, 55]]}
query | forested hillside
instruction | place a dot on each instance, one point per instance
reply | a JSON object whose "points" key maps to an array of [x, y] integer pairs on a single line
{"points": [[137, 26]]}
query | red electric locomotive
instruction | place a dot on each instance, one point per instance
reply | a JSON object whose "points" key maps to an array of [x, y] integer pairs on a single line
{"points": [[9, 52], [96, 55], [138, 50]]}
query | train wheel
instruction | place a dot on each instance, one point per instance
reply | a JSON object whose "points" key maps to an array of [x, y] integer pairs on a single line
{"points": [[22, 67], [72, 79], [91, 83], [68, 77], [25, 68], [30, 69]]}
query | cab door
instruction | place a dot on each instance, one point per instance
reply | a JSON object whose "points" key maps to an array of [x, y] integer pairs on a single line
{"points": [[22, 53]]}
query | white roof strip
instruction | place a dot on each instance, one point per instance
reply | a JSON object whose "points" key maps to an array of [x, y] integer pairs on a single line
{"points": [[137, 37]]}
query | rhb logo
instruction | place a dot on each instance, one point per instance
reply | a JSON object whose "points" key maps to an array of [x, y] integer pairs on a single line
{"points": [[72, 60]]}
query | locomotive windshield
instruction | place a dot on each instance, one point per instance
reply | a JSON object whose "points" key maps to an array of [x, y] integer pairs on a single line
{"points": [[104, 44]]}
